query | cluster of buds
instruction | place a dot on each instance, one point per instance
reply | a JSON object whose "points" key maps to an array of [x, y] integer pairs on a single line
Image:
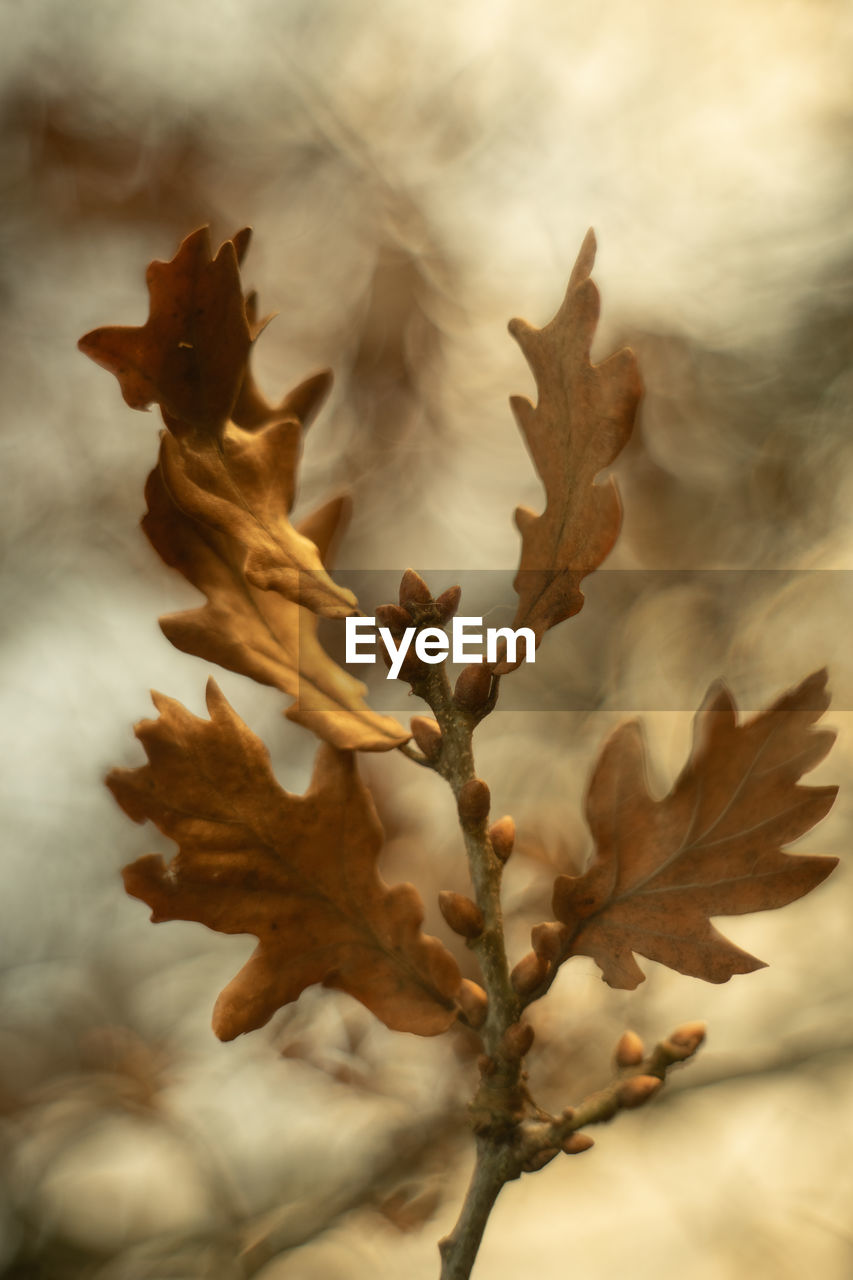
{"points": [[416, 608], [475, 686], [630, 1053]]}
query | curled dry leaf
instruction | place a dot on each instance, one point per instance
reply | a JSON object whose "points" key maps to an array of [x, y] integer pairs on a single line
{"points": [[298, 872], [192, 358], [582, 420], [712, 847], [243, 488], [262, 634]]}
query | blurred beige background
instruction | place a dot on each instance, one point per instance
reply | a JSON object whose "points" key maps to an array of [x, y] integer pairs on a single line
{"points": [[416, 174]]}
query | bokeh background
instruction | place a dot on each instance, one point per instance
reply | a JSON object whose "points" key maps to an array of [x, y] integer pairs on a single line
{"points": [[416, 174]]}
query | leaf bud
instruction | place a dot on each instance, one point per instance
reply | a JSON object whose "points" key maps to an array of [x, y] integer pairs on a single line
{"points": [[473, 802], [517, 1040], [463, 915], [413, 589], [685, 1040], [540, 1159], [427, 735], [392, 617], [447, 603], [474, 1002], [629, 1050], [502, 836], [529, 973], [637, 1090], [547, 940], [576, 1143], [473, 687], [412, 669], [487, 1065]]}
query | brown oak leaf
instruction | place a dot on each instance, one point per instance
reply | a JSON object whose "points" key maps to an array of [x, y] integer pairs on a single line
{"points": [[712, 847], [229, 458], [190, 355], [260, 633], [298, 872], [243, 488], [582, 420]]}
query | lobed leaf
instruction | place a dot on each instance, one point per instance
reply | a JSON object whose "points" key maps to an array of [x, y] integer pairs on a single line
{"points": [[261, 634], [230, 457], [298, 872], [583, 418], [190, 355], [712, 847], [243, 488]]}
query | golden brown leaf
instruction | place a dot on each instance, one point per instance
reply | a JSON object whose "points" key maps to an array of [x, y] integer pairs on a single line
{"points": [[243, 488], [262, 634], [582, 420], [298, 872], [712, 847]]}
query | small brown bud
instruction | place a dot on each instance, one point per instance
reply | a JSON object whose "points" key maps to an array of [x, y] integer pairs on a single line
{"points": [[576, 1143], [547, 939], [413, 589], [487, 1065], [502, 836], [517, 1040], [629, 1050], [447, 603], [473, 802], [474, 1002], [637, 1090], [411, 670], [392, 617], [473, 687], [530, 971], [427, 735], [463, 915], [540, 1159], [685, 1040]]}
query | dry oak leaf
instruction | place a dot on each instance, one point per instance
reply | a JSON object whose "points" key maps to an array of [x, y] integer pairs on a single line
{"points": [[261, 634], [243, 487], [190, 356], [229, 458], [582, 420], [712, 847], [299, 872]]}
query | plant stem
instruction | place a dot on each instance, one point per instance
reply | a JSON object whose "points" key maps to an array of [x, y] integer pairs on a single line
{"points": [[500, 1102], [459, 1249], [456, 765]]}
